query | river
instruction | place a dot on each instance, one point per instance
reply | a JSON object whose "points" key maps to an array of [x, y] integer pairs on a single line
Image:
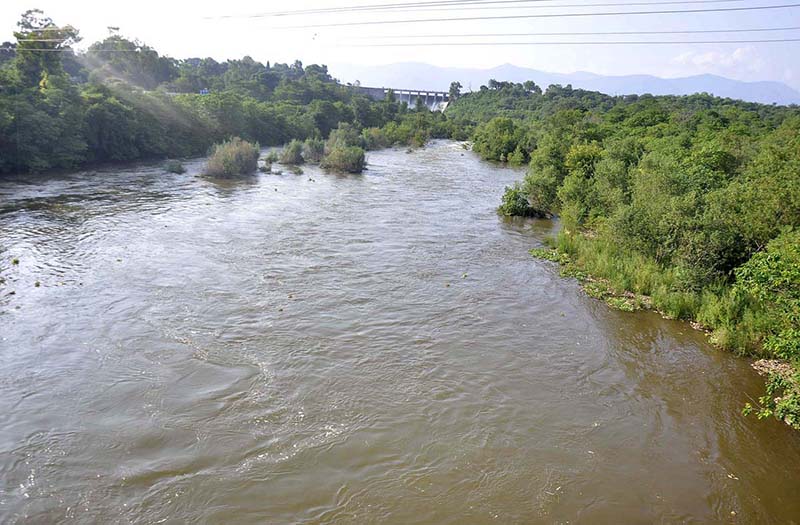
{"points": [[320, 348]]}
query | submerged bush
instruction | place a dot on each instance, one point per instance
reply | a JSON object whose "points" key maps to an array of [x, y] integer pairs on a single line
{"points": [[313, 150], [515, 203], [174, 166], [349, 159], [292, 153], [232, 157]]}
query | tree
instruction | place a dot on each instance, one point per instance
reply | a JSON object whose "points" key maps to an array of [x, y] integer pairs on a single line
{"points": [[455, 90], [531, 87], [39, 42], [117, 58]]}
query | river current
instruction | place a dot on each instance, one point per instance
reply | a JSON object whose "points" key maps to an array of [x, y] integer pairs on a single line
{"points": [[376, 348]]}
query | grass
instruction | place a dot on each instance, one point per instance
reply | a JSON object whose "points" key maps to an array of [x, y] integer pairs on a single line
{"points": [[734, 319], [231, 158]]}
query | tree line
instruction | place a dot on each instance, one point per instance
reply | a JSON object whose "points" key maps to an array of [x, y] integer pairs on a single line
{"points": [[122, 101]]}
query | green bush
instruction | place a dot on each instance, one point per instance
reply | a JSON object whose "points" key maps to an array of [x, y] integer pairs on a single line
{"points": [[174, 166], [771, 278], [313, 150], [232, 157], [501, 139], [515, 203], [348, 159], [292, 153], [375, 138], [345, 135]]}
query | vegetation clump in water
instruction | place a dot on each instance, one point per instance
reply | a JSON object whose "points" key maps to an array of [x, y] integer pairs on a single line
{"points": [[313, 150], [292, 154], [231, 158], [348, 159], [343, 151], [515, 203], [174, 166]]}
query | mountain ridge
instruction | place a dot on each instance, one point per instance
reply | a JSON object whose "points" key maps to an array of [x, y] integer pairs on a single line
{"points": [[419, 75]]}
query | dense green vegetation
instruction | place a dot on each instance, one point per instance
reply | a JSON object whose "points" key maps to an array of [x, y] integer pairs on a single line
{"points": [[313, 150], [347, 159], [344, 150], [231, 158], [687, 205], [515, 203], [122, 101], [292, 153]]}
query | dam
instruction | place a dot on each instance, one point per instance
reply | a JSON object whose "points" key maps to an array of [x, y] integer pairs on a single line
{"points": [[433, 100]]}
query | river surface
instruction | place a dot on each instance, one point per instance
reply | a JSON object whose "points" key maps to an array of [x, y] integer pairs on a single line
{"points": [[348, 349]]}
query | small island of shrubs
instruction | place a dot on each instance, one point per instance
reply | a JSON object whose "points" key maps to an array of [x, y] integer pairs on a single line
{"points": [[292, 154], [231, 158], [343, 151], [348, 159]]}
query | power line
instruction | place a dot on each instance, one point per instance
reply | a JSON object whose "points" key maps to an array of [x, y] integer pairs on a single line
{"points": [[379, 7], [526, 43], [548, 15], [579, 43], [461, 4], [612, 4], [584, 33]]}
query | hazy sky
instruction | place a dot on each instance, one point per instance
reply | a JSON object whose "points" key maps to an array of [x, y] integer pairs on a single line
{"points": [[199, 28]]}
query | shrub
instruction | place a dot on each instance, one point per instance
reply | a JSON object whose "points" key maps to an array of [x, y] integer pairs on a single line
{"points": [[174, 166], [349, 159], [515, 203], [232, 157], [346, 135], [375, 138], [271, 157], [292, 153], [313, 150], [771, 278], [498, 139], [517, 157]]}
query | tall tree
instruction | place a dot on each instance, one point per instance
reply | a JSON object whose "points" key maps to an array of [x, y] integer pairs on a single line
{"points": [[39, 45], [455, 90]]}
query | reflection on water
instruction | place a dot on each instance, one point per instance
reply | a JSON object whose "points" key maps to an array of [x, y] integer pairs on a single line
{"points": [[317, 348]]}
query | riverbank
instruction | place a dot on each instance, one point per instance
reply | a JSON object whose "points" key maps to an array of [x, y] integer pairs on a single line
{"points": [[731, 319]]}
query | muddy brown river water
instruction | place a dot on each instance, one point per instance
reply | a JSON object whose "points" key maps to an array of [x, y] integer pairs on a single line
{"points": [[348, 349]]}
